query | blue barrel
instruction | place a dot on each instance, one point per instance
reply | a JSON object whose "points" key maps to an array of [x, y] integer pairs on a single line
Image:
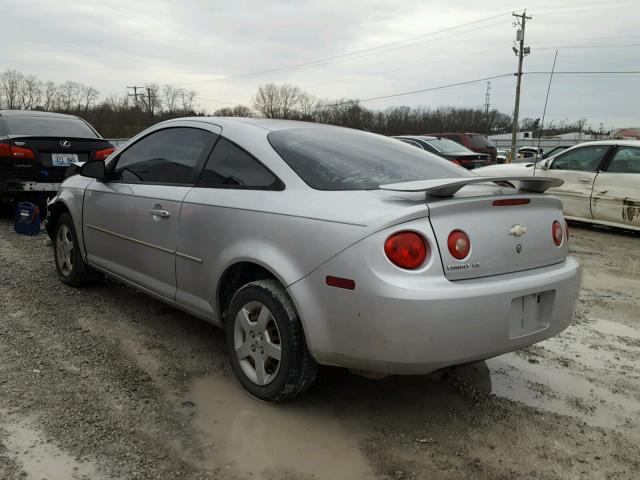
{"points": [[27, 219]]}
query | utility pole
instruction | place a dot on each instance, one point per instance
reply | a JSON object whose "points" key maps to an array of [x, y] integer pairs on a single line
{"points": [[135, 93], [150, 100], [521, 51], [487, 105]]}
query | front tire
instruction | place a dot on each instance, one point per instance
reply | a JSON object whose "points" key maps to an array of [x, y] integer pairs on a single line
{"points": [[266, 344], [70, 265]]}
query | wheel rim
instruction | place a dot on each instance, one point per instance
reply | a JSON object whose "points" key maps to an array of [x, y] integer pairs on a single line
{"points": [[64, 250], [257, 344]]}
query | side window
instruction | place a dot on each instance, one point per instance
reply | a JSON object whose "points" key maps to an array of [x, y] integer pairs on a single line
{"points": [[626, 160], [411, 142], [585, 159], [167, 156], [231, 167]]}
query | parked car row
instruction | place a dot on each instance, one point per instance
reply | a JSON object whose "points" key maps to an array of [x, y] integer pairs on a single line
{"points": [[601, 181], [311, 244], [456, 153]]}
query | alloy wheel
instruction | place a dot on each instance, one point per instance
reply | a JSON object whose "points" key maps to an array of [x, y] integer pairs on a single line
{"points": [[64, 250], [257, 343]]}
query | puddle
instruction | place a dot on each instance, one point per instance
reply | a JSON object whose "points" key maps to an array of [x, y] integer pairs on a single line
{"points": [[262, 441], [38, 459]]}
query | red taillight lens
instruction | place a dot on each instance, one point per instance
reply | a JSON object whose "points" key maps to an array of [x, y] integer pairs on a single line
{"points": [[457, 162], [103, 154], [5, 150], [407, 250], [22, 153], [556, 232], [459, 244], [511, 202]]}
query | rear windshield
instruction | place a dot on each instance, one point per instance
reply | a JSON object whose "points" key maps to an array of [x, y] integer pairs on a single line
{"points": [[481, 141], [48, 127], [445, 145], [343, 159]]}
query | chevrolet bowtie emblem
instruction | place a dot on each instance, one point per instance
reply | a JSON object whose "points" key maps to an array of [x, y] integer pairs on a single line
{"points": [[517, 230]]}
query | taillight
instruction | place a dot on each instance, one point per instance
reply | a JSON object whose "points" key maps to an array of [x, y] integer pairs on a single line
{"points": [[103, 154], [510, 202], [457, 162], [556, 232], [407, 250], [22, 153], [5, 150], [459, 244]]}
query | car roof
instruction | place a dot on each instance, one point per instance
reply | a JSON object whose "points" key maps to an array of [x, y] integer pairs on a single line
{"points": [[629, 143], [33, 113], [416, 137], [269, 124]]}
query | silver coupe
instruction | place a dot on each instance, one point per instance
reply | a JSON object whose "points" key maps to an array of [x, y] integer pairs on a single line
{"points": [[312, 244]]}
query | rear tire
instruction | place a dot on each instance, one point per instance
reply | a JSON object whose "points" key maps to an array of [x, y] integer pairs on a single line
{"points": [[266, 343], [70, 265]]}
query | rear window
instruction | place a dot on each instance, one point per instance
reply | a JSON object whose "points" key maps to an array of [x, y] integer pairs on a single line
{"points": [[343, 159], [481, 141], [48, 127], [444, 145]]}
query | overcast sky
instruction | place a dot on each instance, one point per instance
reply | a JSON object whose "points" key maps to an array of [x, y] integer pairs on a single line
{"points": [[110, 44]]}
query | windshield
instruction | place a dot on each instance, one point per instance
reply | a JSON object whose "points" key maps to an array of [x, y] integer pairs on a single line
{"points": [[48, 127], [444, 145], [329, 158]]}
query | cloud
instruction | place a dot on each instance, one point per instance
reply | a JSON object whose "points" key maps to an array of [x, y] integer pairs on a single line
{"points": [[114, 43]]}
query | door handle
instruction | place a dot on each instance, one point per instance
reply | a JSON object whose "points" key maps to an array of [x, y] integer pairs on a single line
{"points": [[156, 212], [584, 180]]}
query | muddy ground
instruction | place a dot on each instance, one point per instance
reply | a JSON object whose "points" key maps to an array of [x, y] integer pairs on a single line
{"points": [[105, 383]]}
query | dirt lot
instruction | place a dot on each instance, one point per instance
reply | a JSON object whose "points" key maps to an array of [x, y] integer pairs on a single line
{"points": [[106, 383]]}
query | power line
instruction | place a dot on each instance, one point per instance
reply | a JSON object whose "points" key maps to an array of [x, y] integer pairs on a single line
{"points": [[626, 45], [603, 72], [387, 46], [424, 90]]}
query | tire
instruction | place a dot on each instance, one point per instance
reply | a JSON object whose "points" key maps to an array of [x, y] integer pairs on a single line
{"points": [[70, 265], [261, 318]]}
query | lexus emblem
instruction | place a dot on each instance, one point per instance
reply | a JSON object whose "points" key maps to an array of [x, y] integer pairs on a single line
{"points": [[65, 144]]}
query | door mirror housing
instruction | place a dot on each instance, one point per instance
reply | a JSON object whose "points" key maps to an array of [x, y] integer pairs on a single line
{"points": [[545, 165], [93, 169]]}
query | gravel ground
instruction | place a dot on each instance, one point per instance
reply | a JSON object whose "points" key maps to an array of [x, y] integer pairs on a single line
{"points": [[106, 383]]}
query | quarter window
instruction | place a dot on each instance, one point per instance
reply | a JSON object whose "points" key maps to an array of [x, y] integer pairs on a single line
{"points": [[231, 167], [167, 156], [626, 160], [586, 159]]}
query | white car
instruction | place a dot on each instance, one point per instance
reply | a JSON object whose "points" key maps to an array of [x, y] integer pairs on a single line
{"points": [[601, 181]]}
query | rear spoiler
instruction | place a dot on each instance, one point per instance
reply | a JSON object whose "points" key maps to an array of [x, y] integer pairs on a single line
{"points": [[447, 187]]}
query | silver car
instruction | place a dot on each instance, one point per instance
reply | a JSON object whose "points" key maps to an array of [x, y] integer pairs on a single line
{"points": [[312, 244]]}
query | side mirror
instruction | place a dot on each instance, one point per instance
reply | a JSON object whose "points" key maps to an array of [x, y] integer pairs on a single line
{"points": [[94, 169], [545, 165]]}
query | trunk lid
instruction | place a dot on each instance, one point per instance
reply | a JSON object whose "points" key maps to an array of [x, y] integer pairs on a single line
{"points": [[504, 239], [53, 155]]}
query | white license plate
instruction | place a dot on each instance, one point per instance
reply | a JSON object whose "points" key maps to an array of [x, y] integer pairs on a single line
{"points": [[63, 159]]}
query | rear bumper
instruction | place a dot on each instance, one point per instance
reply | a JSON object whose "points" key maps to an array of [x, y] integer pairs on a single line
{"points": [[398, 327], [25, 186]]}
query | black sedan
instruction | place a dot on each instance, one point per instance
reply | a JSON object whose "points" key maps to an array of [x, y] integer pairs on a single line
{"points": [[37, 147], [448, 149]]}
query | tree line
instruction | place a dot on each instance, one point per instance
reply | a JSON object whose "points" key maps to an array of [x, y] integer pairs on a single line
{"points": [[125, 115]]}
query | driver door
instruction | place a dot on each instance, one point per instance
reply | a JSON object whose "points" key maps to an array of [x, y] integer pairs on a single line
{"points": [[578, 168], [130, 221]]}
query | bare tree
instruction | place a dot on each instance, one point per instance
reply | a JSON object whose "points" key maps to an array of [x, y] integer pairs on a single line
{"points": [[10, 89], [89, 97], [49, 95], [69, 96], [277, 101], [187, 97], [31, 92], [170, 96], [237, 111]]}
